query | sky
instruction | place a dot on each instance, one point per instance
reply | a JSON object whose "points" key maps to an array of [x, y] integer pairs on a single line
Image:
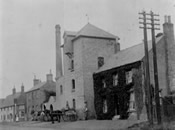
{"points": [[27, 31]]}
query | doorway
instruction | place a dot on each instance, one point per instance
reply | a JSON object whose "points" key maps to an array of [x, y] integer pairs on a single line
{"points": [[117, 105]]}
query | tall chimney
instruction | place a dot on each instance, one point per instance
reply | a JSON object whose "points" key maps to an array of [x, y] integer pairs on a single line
{"points": [[49, 77], [168, 30], [58, 52], [22, 88], [14, 90]]}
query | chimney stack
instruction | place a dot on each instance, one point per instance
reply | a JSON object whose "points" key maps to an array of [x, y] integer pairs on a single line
{"points": [[49, 77], [58, 52], [22, 88], [168, 30], [35, 81], [14, 90], [116, 47]]}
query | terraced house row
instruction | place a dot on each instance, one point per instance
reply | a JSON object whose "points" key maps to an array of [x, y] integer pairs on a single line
{"points": [[20, 106]]}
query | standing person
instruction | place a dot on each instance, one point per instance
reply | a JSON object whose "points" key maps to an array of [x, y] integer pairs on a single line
{"points": [[86, 111], [51, 113]]}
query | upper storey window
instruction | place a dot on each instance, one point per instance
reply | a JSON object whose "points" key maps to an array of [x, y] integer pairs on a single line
{"points": [[115, 80], [129, 77], [71, 57], [104, 83]]}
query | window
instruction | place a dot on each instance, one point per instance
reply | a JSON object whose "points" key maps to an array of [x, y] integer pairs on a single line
{"points": [[72, 64], [104, 83], [115, 80], [22, 113], [100, 61], [132, 102], [73, 84], [105, 107], [61, 89], [74, 104], [128, 77]]}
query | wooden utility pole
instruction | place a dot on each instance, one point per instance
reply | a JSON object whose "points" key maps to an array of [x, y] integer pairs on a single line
{"points": [[157, 98], [147, 72]]}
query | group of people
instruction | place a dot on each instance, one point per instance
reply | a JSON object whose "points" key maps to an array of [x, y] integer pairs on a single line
{"points": [[52, 112]]}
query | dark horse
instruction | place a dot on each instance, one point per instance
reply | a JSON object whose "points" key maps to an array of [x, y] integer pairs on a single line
{"points": [[52, 114]]}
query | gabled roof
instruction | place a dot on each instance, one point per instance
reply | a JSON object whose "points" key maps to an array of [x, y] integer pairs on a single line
{"points": [[39, 85], [9, 100], [127, 56], [69, 33], [90, 30]]}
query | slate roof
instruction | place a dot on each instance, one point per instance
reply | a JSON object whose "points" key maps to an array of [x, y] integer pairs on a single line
{"points": [[1, 102], [127, 56], [9, 100], [39, 85], [70, 33], [90, 30]]}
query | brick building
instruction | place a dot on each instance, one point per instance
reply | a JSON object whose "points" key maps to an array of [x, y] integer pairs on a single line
{"points": [[12, 108], [114, 84], [81, 52], [39, 94]]}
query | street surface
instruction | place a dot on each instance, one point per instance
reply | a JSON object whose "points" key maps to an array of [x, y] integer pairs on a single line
{"points": [[7, 127], [77, 125]]}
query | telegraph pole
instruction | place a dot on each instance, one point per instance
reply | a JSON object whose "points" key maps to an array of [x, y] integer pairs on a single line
{"points": [[147, 75], [153, 24], [157, 98]]}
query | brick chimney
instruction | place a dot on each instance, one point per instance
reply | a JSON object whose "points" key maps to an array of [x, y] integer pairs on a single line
{"points": [[49, 77], [168, 30], [35, 81], [14, 90], [58, 52], [116, 47], [22, 88]]}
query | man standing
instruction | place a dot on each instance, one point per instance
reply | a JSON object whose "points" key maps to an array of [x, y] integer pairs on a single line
{"points": [[51, 113], [86, 111]]}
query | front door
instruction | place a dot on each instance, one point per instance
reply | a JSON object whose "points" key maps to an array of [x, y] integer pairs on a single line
{"points": [[116, 102]]}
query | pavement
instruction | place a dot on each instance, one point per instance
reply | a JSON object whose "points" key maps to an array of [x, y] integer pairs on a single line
{"points": [[76, 125]]}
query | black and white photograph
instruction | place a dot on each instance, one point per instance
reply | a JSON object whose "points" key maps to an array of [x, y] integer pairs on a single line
{"points": [[87, 65]]}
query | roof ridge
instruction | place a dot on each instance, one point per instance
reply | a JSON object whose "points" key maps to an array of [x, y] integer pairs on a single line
{"points": [[125, 56], [94, 31]]}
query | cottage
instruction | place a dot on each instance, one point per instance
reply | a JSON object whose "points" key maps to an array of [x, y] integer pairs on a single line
{"points": [[12, 108], [39, 94], [119, 83]]}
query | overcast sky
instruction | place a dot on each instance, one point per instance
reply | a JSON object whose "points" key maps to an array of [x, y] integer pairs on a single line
{"points": [[27, 31]]}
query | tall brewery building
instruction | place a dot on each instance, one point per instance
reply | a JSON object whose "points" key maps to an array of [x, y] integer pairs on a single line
{"points": [[83, 53]]}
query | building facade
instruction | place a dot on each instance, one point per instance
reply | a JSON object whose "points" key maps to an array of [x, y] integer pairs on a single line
{"points": [[113, 94], [39, 94], [83, 52], [13, 107]]}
